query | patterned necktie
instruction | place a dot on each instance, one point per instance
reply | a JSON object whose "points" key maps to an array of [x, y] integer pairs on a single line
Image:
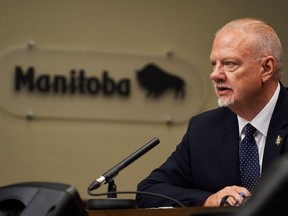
{"points": [[249, 159]]}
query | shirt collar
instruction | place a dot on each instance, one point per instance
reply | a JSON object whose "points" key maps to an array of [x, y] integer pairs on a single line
{"points": [[262, 120]]}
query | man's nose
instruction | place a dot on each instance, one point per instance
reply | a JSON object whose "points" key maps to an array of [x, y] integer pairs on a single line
{"points": [[218, 73]]}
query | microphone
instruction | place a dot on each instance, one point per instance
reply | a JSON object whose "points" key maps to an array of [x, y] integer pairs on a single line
{"points": [[110, 174]]}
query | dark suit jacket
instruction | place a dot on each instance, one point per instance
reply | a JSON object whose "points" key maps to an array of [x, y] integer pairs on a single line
{"points": [[207, 158]]}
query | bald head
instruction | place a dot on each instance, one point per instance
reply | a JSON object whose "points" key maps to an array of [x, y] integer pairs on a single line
{"points": [[264, 39]]}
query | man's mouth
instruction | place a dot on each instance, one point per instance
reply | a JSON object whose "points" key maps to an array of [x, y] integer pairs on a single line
{"points": [[222, 89]]}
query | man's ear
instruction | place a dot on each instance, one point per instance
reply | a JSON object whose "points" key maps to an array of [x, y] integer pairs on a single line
{"points": [[268, 64]]}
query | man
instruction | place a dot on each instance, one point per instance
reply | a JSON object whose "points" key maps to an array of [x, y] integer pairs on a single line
{"points": [[205, 169]]}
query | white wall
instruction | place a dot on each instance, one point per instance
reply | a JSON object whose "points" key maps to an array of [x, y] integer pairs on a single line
{"points": [[77, 151]]}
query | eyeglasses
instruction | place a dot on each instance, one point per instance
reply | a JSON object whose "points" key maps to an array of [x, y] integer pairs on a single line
{"points": [[225, 202]]}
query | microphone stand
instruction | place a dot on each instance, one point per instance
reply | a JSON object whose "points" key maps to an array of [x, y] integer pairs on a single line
{"points": [[112, 202], [112, 188]]}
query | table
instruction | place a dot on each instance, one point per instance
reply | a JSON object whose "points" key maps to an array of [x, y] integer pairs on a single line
{"points": [[163, 211]]}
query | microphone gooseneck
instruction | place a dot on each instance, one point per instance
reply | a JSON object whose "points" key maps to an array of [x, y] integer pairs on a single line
{"points": [[108, 177], [110, 174]]}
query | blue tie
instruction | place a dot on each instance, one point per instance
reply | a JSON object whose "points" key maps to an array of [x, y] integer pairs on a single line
{"points": [[249, 159]]}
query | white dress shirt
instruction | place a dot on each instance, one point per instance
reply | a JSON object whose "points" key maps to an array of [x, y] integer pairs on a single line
{"points": [[261, 123]]}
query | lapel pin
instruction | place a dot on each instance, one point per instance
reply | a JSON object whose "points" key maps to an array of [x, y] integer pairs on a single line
{"points": [[278, 140]]}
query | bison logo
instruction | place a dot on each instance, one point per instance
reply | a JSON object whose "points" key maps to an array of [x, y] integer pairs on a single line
{"points": [[157, 81]]}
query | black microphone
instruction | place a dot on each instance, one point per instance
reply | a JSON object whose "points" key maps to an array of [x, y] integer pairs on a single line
{"points": [[110, 174]]}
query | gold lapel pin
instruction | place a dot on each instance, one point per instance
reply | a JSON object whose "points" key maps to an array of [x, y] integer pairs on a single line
{"points": [[278, 140]]}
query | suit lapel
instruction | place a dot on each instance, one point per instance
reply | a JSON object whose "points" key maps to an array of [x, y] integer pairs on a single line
{"points": [[230, 148], [276, 141]]}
